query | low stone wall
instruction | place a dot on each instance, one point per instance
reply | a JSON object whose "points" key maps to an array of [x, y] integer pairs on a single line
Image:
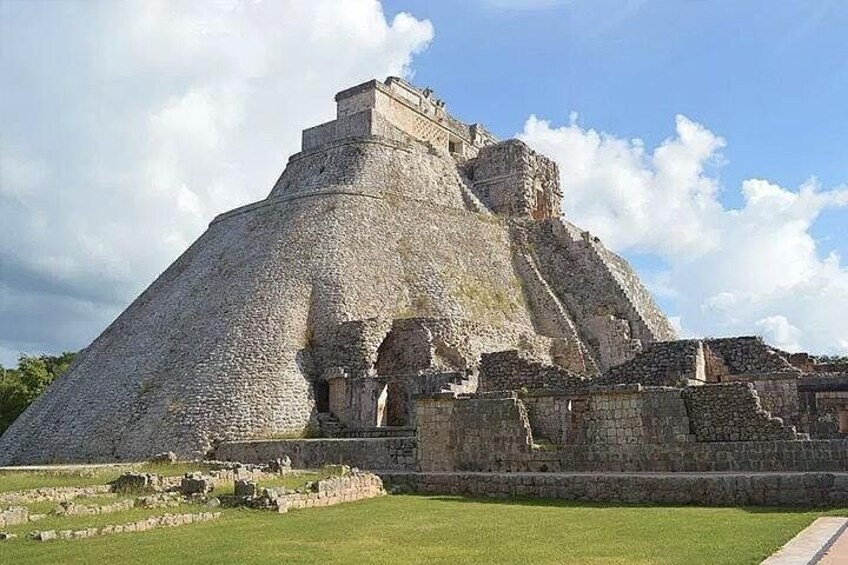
{"points": [[51, 494], [166, 521], [384, 432], [358, 486], [721, 489], [731, 412], [365, 453], [741, 456]]}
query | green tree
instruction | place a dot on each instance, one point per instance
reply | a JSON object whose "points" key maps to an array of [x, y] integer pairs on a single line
{"points": [[20, 386]]}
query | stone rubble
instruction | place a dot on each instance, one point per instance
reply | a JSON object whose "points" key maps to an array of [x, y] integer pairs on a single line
{"points": [[165, 521]]}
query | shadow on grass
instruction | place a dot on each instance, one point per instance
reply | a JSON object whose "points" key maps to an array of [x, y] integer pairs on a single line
{"points": [[530, 501]]}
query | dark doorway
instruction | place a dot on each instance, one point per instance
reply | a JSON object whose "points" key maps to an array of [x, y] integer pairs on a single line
{"points": [[322, 396], [396, 404]]}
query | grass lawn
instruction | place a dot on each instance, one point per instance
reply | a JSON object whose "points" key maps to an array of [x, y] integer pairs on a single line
{"points": [[434, 529]]}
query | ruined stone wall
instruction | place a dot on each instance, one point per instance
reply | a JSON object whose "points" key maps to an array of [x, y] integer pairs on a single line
{"points": [[516, 370], [699, 429], [618, 416], [779, 396], [336, 490], [732, 412], [513, 180], [364, 453], [823, 404], [749, 355], [670, 363], [471, 433]]}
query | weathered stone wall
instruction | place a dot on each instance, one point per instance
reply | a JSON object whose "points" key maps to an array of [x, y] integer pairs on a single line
{"points": [[823, 404], [737, 489], [759, 456], [779, 397], [470, 433], [671, 363], [398, 110], [338, 490], [732, 412], [749, 355], [513, 180], [624, 429], [516, 370], [618, 416], [364, 453]]}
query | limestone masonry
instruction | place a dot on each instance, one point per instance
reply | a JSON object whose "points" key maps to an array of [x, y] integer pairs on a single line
{"points": [[408, 299]]}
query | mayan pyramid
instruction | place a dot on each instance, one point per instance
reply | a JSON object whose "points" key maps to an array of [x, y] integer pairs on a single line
{"points": [[396, 247]]}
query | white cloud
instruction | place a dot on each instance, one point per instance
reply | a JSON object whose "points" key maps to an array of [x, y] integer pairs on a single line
{"points": [[780, 332], [756, 269], [137, 122]]}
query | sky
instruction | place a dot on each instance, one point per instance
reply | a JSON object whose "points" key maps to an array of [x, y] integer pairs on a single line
{"points": [[702, 140]]}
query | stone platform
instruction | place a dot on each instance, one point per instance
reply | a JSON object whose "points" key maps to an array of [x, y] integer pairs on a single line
{"points": [[388, 453], [703, 489]]}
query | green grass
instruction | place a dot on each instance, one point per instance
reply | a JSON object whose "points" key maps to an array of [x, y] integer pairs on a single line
{"points": [[450, 530]]}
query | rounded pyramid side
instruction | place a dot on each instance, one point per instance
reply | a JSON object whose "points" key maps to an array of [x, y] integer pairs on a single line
{"points": [[218, 346]]}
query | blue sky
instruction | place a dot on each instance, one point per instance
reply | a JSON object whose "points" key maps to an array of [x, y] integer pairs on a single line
{"points": [[688, 135], [769, 77]]}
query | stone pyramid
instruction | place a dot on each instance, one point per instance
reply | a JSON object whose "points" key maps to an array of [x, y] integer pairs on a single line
{"points": [[398, 246]]}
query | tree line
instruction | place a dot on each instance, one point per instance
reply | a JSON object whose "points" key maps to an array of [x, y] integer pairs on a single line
{"points": [[21, 385]]}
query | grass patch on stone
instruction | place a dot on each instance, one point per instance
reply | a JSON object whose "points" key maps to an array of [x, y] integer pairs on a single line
{"points": [[299, 479], [12, 480], [46, 507], [442, 529], [57, 523]]}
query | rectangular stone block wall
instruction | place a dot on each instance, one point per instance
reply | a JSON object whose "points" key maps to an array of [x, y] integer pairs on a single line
{"points": [[669, 363], [434, 434], [779, 396], [472, 433], [731, 412], [747, 456], [370, 453], [613, 417], [637, 417], [809, 489]]}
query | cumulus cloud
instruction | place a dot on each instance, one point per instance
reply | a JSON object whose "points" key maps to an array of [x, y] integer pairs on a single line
{"points": [[755, 269], [135, 123]]}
